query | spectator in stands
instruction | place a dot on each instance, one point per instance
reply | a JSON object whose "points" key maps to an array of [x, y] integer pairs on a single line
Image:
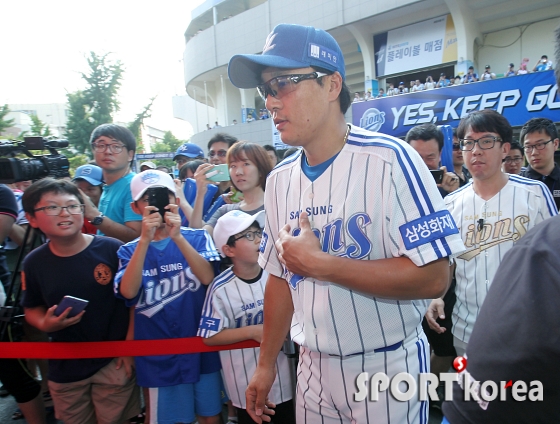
{"points": [[443, 81], [380, 94], [357, 98], [430, 84], [391, 90], [113, 148], [418, 86], [539, 139], [250, 118], [271, 152], [514, 160], [147, 165], [510, 72], [234, 122], [402, 89], [208, 127], [471, 76], [488, 74], [427, 140], [543, 64], [84, 266], [411, 87], [180, 386], [216, 125], [523, 67], [458, 80], [367, 95]]}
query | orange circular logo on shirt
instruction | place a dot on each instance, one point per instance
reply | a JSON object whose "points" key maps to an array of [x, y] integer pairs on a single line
{"points": [[103, 274]]}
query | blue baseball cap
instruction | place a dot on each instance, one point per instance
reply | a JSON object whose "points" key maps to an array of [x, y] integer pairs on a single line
{"points": [[288, 46], [189, 150], [93, 174]]}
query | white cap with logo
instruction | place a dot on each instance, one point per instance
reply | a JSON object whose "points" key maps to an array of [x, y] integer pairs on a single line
{"points": [[150, 178], [233, 223]]}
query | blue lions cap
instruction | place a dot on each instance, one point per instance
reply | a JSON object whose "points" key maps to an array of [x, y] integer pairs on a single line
{"points": [[189, 150], [93, 174], [288, 46]]}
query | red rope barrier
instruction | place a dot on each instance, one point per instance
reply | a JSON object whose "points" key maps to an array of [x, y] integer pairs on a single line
{"points": [[78, 350]]}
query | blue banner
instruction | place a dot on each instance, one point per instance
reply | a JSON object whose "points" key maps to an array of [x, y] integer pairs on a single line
{"points": [[518, 98]]}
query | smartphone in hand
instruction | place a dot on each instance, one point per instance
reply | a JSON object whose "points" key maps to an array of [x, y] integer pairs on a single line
{"points": [[437, 174], [158, 197], [218, 173], [77, 305]]}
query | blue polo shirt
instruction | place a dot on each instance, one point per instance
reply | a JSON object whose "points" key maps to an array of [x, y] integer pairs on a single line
{"points": [[115, 201]]}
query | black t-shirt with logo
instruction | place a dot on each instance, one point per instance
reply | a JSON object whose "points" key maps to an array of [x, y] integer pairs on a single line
{"points": [[88, 275], [516, 335]]}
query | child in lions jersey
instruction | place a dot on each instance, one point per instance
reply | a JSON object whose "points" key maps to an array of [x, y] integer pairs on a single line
{"points": [[233, 312], [164, 274]]}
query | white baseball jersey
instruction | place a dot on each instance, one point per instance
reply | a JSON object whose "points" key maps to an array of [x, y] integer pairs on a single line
{"points": [[233, 303], [489, 229], [375, 200]]}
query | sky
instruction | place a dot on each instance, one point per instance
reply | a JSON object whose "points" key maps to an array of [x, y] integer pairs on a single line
{"points": [[45, 45]]}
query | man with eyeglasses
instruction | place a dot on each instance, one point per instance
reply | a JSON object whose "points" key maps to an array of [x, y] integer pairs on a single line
{"points": [[539, 138], [342, 214], [514, 160], [113, 150], [492, 212]]}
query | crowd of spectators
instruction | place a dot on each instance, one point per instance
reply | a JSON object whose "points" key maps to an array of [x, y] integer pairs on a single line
{"points": [[543, 64]]}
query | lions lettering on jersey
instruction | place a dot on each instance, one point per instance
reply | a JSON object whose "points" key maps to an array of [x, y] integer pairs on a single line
{"points": [[158, 292], [492, 234]]}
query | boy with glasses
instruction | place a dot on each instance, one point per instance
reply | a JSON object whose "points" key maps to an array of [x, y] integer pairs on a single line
{"points": [[539, 138], [84, 391], [492, 212], [233, 312], [113, 149]]}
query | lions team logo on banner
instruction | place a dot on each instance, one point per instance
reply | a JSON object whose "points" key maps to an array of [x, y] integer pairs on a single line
{"points": [[372, 119]]}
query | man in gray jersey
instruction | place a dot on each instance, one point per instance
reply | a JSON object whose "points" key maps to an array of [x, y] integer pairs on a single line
{"points": [[342, 215]]}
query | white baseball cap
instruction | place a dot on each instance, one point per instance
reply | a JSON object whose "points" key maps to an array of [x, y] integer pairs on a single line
{"points": [[233, 223], [149, 164], [150, 178]]}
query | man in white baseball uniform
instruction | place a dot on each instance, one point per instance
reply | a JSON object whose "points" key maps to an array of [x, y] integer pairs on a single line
{"points": [[492, 212], [356, 234]]}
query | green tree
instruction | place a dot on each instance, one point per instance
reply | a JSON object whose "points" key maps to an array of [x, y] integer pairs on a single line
{"points": [[38, 127], [96, 104], [5, 123], [77, 160], [136, 125], [170, 143]]}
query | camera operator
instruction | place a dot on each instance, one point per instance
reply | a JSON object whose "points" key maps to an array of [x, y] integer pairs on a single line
{"points": [[13, 375]]}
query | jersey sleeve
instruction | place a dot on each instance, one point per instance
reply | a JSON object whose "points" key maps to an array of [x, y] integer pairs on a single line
{"points": [[214, 317], [124, 254], [548, 205], [419, 222], [268, 255], [201, 241]]}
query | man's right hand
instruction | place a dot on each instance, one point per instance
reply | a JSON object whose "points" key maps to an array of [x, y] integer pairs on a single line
{"points": [[435, 311], [258, 405]]}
